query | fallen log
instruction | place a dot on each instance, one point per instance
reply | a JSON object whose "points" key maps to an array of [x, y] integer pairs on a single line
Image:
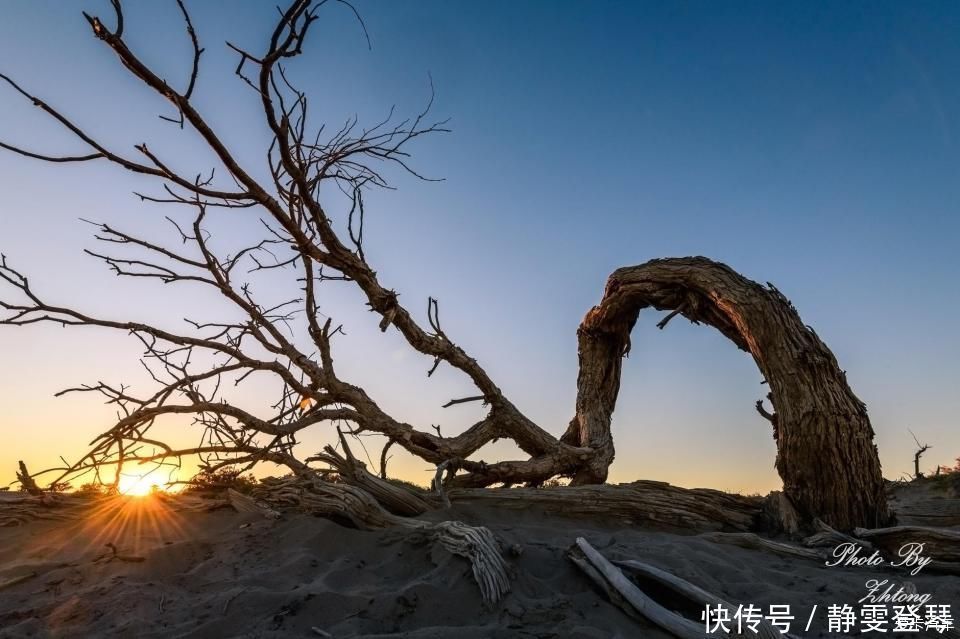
{"points": [[627, 596], [934, 501], [17, 509], [686, 597], [692, 593], [647, 503], [941, 545], [929, 512]]}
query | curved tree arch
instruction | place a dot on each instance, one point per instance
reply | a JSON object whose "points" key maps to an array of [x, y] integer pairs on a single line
{"points": [[825, 451]]}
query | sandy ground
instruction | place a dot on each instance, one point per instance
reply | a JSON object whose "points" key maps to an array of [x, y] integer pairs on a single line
{"points": [[226, 574]]}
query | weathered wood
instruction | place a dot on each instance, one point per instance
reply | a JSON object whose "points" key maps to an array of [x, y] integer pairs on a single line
{"points": [[692, 593], [827, 537], [478, 546], [941, 544], [26, 481], [625, 593], [344, 502], [21, 508], [755, 542], [245, 504], [929, 512], [396, 499], [647, 503], [933, 501], [826, 454], [780, 514]]}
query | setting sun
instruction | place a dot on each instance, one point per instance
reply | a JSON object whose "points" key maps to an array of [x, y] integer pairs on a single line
{"points": [[139, 485]]}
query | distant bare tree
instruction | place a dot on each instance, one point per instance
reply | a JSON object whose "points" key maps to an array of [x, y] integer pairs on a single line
{"points": [[921, 449], [827, 457]]}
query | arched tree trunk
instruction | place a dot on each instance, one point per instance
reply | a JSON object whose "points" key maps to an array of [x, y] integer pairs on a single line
{"points": [[826, 455]]}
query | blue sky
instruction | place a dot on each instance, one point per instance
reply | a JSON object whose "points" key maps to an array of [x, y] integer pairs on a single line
{"points": [[813, 145]]}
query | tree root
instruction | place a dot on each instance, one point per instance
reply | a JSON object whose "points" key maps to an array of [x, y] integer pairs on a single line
{"points": [[345, 502]]}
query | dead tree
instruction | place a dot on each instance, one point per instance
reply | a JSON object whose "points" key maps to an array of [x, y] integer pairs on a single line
{"points": [[300, 235], [826, 458], [27, 482], [921, 449], [826, 455]]}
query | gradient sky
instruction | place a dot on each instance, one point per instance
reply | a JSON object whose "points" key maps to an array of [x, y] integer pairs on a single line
{"points": [[813, 145]]}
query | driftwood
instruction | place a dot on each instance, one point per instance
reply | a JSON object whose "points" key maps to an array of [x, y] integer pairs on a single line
{"points": [[627, 596], [691, 592], [478, 545], [635, 602], [648, 503], [338, 501]]}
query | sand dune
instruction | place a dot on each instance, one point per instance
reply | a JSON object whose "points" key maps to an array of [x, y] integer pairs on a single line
{"points": [[190, 573]]}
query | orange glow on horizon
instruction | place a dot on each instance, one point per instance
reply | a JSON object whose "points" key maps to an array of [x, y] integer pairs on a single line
{"points": [[135, 484]]}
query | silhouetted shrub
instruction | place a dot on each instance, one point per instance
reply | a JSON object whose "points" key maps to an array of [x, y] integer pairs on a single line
{"points": [[222, 479]]}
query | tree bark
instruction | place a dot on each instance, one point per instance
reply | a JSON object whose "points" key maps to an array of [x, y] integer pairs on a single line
{"points": [[651, 504], [826, 455]]}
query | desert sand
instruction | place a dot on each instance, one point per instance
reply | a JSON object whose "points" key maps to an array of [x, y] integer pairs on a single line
{"points": [[188, 572]]}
